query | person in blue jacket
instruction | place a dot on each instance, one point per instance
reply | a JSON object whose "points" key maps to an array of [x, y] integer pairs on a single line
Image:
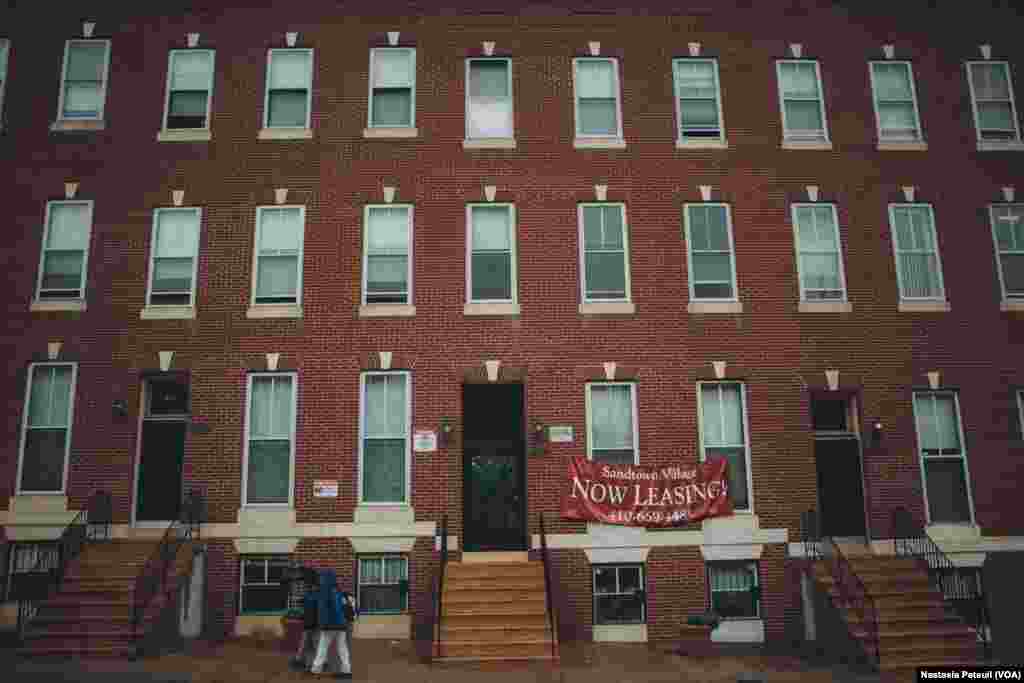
{"points": [[331, 622], [307, 644]]}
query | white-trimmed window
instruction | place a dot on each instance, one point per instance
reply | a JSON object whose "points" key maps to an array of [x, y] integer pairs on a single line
{"points": [[46, 428], [262, 590], [65, 254], [709, 252], [383, 584], [270, 438], [995, 112], [489, 98], [734, 589], [612, 429], [724, 434], [620, 596], [895, 99], [604, 252], [597, 97], [1008, 235], [944, 471], [918, 266], [385, 417], [289, 94], [387, 254], [277, 272], [802, 102], [1020, 414], [491, 270], [698, 101], [83, 86], [174, 253], [189, 89], [819, 253], [5, 49], [392, 87]]}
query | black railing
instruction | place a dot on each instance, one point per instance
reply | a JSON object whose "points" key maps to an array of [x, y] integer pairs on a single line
{"points": [[851, 591], [962, 589], [153, 580], [439, 597], [34, 586], [549, 597]]}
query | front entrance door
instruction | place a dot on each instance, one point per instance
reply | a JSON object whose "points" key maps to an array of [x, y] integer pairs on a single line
{"points": [[840, 493], [162, 450], [493, 447]]}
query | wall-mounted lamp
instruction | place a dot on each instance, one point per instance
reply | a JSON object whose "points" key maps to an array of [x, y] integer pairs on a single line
{"points": [[120, 408], [876, 433], [444, 432], [537, 437]]}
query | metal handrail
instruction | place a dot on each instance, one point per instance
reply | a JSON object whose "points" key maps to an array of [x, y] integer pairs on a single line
{"points": [[91, 523], [439, 598], [911, 540], [152, 580], [851, 589], [549, 598]]}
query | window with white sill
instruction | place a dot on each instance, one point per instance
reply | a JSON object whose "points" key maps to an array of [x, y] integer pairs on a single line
{"points": [[46, 428], [289, 92], [65, 252], [723, 434], [1008, 235], [895, 100], [270, 438], [488, 98], [263, 584], [943, 457], [83, 88], [5, 48], [385, 418], [992, 102], [698, 100], [604, 253], [392, 87], [734, 589], [918, 266], [709, 252], [612, 422], [803, 105], [620, 595], [278, 259], [174, 253], [383, 584], [189, 89], [492, 253], [819, 253], [598, 103], [387, 262]]}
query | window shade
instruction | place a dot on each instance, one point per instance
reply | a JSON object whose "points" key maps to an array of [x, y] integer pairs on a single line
{"points": [[389, 230], [271, 408], [385, 406], [892, 82], [392, 68], [69, 226], [50, 396], [86, 61], [491, 228], [488, 79], [177, 233], [799, 80], [732, 579], [602, 227], [990, 82], [191, 70], [595, 79], [612, 414], [696, 79], [290, 70], [280, 231]]}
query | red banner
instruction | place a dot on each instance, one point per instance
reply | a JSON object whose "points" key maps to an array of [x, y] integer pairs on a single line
{"points": [[634, 495]]}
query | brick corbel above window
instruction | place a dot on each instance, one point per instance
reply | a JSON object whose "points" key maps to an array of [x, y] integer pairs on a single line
{"points": [[405, 39]]}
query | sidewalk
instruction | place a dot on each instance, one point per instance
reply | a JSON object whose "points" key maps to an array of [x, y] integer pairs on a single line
{"points": [[383, 661]]}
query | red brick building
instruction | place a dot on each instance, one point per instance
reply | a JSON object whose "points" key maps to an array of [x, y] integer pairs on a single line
{"points": [[257, 251]]}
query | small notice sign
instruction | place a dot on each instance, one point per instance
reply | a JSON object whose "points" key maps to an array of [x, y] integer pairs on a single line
{"points": [[560, 434], [424, 441], [325, 488]]}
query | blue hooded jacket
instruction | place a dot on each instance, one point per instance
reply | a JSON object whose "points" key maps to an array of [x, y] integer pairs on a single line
{"points": [[329, 608]]}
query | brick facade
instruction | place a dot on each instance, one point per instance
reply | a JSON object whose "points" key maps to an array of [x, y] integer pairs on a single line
{"points": [[780, 353]]}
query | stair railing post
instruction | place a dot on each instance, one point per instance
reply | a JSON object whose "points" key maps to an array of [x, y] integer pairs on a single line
{"points": [[548, 597], [439, 601]]}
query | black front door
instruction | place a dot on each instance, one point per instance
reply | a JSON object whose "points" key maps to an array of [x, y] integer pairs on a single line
{"points": [[163, 449], [493, 448], [840, 492]]}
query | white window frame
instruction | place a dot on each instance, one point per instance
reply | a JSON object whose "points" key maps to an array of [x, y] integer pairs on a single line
{"points": [[512, 248], [408, 436], [374, 557], [711, 565], [247, 437], [511, 98], [24, 427], [1020, 413], [209, 88], [746, 435], [799, 259], [579, 135], [689, 253], [992, 208], [5, 50], [309, 88], [85, 256], [787, 135], [256, 253], [919, 130], [581, 235], [412, 89], [635, 417], [63, 82], [921, 457], [198, 212], [366, 252], [265, 559], [1016, 141], [681, 139], [897, 250], [618, 586]]}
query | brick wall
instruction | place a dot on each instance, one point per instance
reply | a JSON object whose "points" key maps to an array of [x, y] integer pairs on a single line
{"points": [[776, 350]]}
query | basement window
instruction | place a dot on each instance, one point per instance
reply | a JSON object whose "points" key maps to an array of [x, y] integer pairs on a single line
{"points": [[735, 590], [263, 590], [383, 584], [27, 562], [619, 594]]}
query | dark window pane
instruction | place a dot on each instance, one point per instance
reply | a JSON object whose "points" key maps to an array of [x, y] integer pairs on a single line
{"points": [[737, 473], [254, 571], [187, 109], [712, 291], [384, 470], [287, 108], [604, 580], [492, 276], [606, 275], [169, 299], [734, 603], [63, 270], [43, 466], [947, 490], [614, 457], [381, 598], [392, 107], [619, 609], [263, 599], [829, 414], [269, 464], [168, 397]]}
